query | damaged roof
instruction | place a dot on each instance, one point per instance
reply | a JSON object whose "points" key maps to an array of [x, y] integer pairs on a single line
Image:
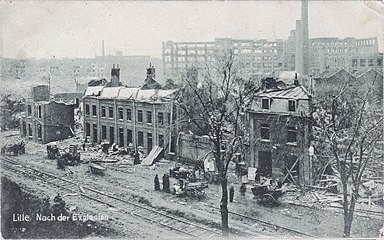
{"points": [[293, 92], [93, 91], [131, 93]]}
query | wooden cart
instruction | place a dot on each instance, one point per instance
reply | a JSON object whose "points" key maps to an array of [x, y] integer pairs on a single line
{"points": [[267, 194]]}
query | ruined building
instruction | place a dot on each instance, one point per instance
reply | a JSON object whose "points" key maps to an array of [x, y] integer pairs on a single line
{"points": [[139, 118], [279, 131], [47, 120]]}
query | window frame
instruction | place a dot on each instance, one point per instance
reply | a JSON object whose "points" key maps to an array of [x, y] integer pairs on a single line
{"points": [[291, 130], [140, 116], [294, 105], [262, 103], [265, 129]]}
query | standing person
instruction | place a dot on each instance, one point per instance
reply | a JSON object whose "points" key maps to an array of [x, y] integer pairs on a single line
{"points": [[84, 146], [257, 176], [231, 193], [311, 152], [136, 158], [166, 183], [243, 189], [157, 183]]}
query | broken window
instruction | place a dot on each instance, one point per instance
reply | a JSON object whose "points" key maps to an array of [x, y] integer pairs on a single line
{"points": [[149, 142], [265, 103], [149, 117], [111, 135], [39, 112], [291, 134], [110, 112], [30, 130], [103, 112], [129, 136], [87, 109], [129, 114], [121, 137], [140, 139], [354, 62], [87, 129], [292, 105], [265, 131], [94, 130], [140, 115], [362, 62], [103, 132], [29, 110], [160, 118], [94, 110], [161, 140], [39, 132], [121, 114], [370, 62]]}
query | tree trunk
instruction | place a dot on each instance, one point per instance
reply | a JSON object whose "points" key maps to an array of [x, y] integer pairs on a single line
{"points": [[224, 206], [348, 218]]}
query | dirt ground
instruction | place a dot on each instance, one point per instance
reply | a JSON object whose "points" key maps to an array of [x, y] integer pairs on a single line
{"points": [[135, 182]]}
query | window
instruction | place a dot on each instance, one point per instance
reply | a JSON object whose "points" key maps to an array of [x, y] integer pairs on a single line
{"points": [[39, 132], [140, 115], [362, 62], [292, 105], [160, 118], [103, 132], [87, 109], [161, 140], [121, 114], [129, 114], [94, 130], [370, 62], [110, 112], [129, 136], [29, 110], [291, 134], [87, 129], [111, 135], [149, 142], [354, 62], [169, 118], [140, 139], [94, 110], [265, 131], [103, 112], [29, 130], [265, 103], [121, 137], [149, 117], [39, 112]]}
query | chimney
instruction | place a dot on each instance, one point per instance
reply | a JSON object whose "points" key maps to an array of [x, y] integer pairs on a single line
{"points": [[296, 81], [151, 73], [115, 76]]}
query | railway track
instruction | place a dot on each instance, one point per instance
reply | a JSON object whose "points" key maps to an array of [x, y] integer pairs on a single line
{"points": [[181, 226]]}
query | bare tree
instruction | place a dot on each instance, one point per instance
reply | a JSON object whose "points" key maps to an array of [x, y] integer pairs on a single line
{"points": [[350, 123], [213, 104]]}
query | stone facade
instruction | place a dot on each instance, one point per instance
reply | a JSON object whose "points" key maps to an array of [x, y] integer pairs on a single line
{"points": [[280, 133], [131, 117]]}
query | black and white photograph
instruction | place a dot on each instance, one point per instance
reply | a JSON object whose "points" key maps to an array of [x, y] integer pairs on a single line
{"points": [[191, 119]]}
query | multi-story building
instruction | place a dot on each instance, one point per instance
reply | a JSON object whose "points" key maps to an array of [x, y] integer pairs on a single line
{"points": [[47, 120], [256, 57], [262, 57], [138, 118], [280, 130], [350, 54]]}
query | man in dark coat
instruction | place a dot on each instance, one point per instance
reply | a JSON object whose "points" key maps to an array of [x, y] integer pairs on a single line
{"points": [[231, 193], [157, 183], [166, 183]]}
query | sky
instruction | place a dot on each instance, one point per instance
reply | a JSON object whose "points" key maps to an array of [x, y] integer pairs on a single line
{"points": [[46, 29]]}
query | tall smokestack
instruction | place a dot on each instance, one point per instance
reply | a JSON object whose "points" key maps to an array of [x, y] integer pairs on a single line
{"points": [[302, 41], [305, 36], [115, 75], [102, 49]]}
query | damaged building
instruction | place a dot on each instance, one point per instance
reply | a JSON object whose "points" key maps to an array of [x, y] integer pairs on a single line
{"points": [[47, 120], [280, 130], [138, 118]]}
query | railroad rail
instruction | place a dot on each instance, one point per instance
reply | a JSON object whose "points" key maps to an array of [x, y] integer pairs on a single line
{"points": [[177, 224]]}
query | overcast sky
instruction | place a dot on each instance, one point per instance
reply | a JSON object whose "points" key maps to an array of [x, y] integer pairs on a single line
{"points": [[76, 29]]}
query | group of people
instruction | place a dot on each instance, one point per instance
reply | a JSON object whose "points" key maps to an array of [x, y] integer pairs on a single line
{"points": [[165, 179]]}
